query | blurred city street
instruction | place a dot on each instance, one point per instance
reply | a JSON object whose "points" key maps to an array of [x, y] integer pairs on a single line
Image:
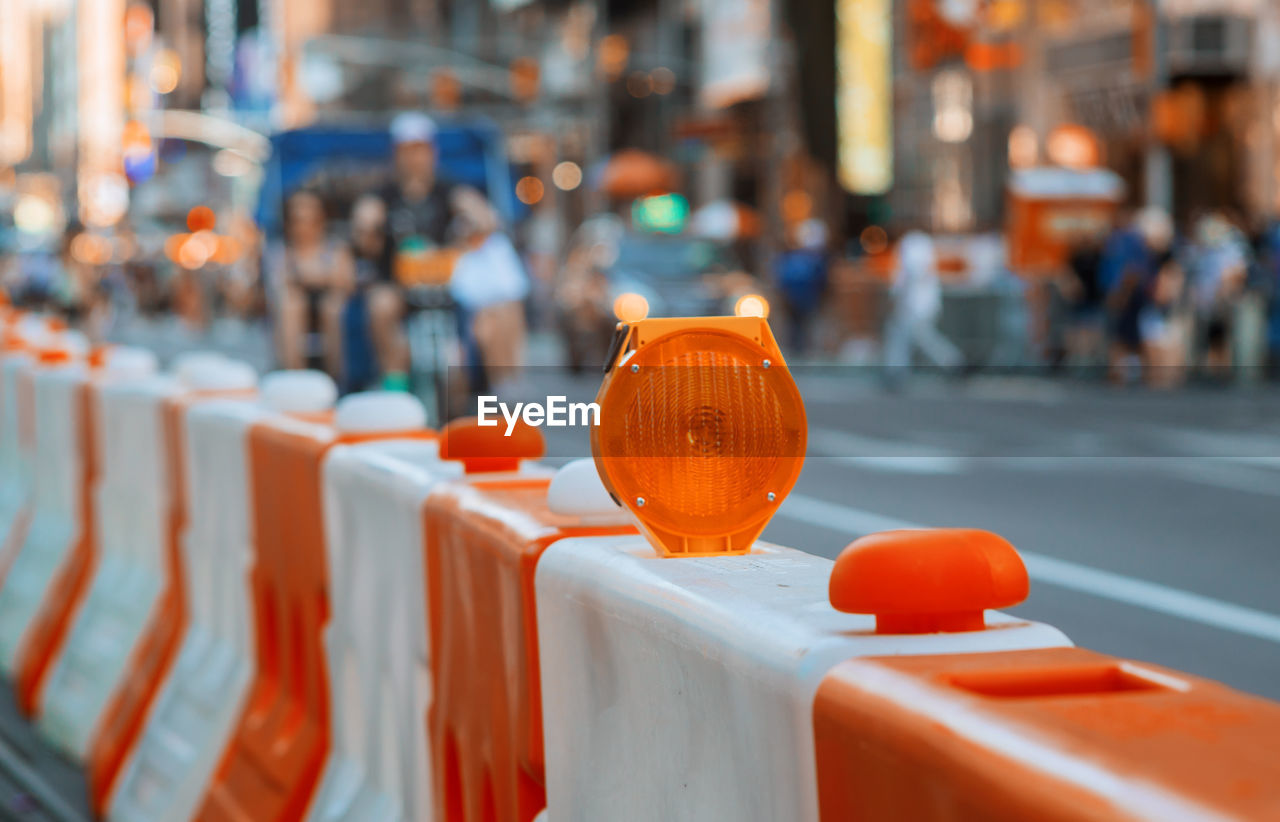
{"points": [[1021, 257]]}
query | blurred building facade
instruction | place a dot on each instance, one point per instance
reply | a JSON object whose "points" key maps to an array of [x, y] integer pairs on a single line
{"points": [[1177, 96], [936, 100]]}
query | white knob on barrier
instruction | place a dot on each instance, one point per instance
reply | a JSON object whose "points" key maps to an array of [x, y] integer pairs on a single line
{"points": [[298, 391], [190, 361], [74, 341], [220, 375], [34, 332], [577, 491], [374, 412], [129, 363]]}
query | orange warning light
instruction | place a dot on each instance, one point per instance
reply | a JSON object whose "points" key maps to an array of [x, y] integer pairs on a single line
{"points": [[702, 431]]}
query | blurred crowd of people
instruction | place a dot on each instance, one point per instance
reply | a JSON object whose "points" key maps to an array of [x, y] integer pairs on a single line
{"points": [[347, 282], [416, 233], [1161, 306]]}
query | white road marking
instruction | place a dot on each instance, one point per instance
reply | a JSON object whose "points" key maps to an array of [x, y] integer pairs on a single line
{"points": [[1060, 573], [1231, 472], [883, 455]]}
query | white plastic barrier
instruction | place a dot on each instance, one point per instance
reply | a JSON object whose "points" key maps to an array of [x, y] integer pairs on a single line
{"points": [[682, 689], [194, 711], [15, 462], [196, 707], [57, 478], [379, 764], [134, 500]]}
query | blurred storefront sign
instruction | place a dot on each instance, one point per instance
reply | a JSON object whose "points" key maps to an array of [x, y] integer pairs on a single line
{"points": [[864, 96], [1050, 208], [735, 51]]}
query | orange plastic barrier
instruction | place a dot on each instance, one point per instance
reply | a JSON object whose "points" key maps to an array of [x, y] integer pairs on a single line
{"points": [[157, 647], [278, 749], [1054, 735], [483, 542], [49, 627]]}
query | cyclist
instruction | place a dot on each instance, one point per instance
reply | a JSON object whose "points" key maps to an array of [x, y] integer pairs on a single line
{"points": [[423, 212]]}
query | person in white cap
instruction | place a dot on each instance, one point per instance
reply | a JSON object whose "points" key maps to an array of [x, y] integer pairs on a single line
{"points": [[422, 214]]}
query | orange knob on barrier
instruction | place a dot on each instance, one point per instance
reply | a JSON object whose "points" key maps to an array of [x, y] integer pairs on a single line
{"points": [[13, 339], [919, 582], [53, 356], [98, 356], [487, 449]]}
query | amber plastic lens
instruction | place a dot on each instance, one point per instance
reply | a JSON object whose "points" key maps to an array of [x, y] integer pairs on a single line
{"points": [[702, 433]]}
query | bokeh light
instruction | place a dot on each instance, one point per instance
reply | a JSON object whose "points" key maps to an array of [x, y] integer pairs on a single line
{"points": [[630, 307], [751, 305], [529, 190], [874, 240], [201, 218], [567, 175]]}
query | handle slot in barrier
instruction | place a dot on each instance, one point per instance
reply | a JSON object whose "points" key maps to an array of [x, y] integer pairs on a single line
{"points": [[1093, 680]]}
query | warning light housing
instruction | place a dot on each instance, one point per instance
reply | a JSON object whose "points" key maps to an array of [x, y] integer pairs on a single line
{"points": [[702, 431]]}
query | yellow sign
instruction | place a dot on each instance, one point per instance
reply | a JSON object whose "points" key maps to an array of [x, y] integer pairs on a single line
{"points": [[864, 95]]}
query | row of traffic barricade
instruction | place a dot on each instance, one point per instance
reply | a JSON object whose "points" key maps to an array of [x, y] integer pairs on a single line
{"points": [[231, 600]]}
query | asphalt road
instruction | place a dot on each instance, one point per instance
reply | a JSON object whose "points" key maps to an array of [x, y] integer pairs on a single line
{"points": [[1150, 522]]}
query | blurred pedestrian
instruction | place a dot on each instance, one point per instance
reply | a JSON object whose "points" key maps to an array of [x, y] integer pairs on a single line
{"points": [[1076, 310], [421, 226], [368, 228], [1269, 287], [802, 278], [489, 286], [916, 302], [310, 279], [1163, 322], [1125, 273], [1218, 279]]}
